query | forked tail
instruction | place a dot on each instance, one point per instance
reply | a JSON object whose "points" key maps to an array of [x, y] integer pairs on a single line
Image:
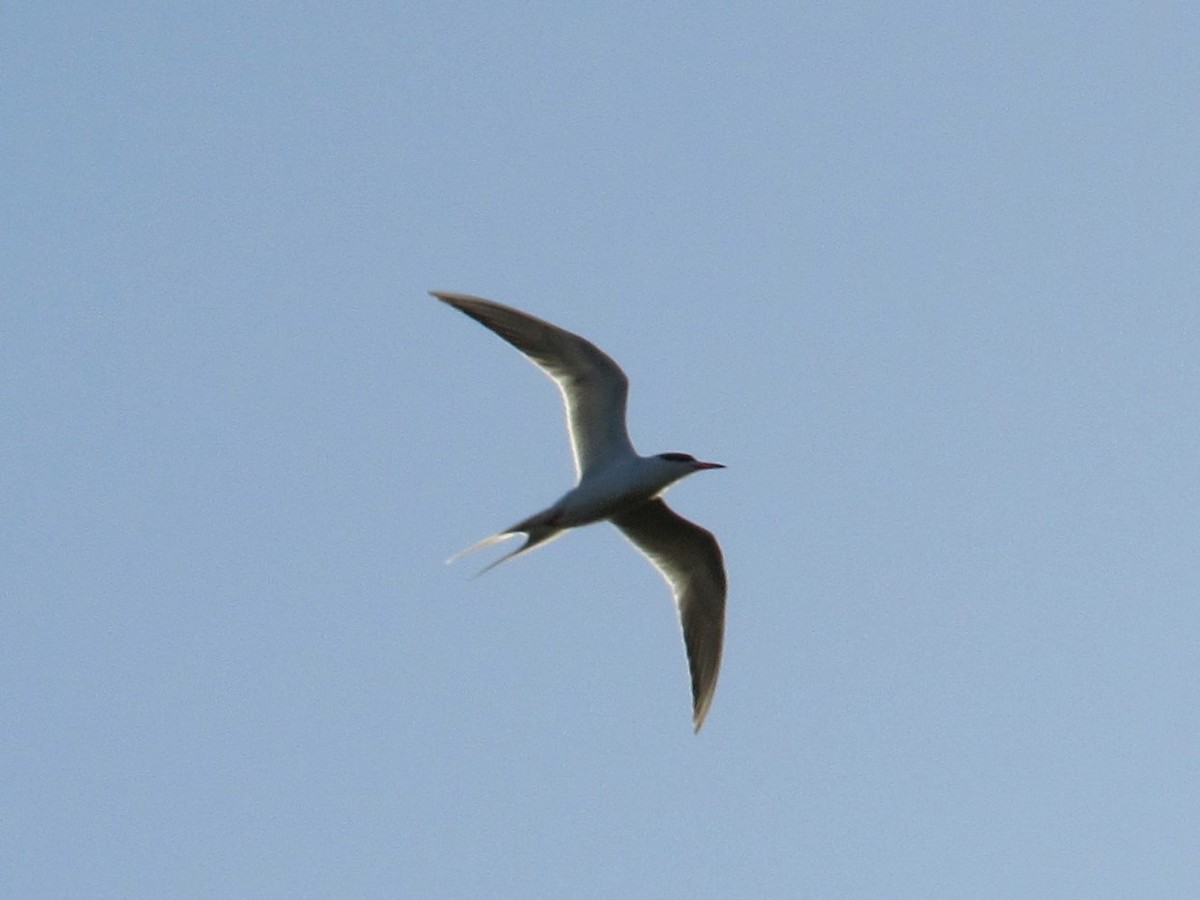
{"points": [[537, 530]]}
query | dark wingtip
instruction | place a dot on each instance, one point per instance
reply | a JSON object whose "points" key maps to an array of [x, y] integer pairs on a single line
{"points": [[456, 296], [699, 714]]}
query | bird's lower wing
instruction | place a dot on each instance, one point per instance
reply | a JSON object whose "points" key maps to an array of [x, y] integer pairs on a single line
{"points": [[690, 559]]}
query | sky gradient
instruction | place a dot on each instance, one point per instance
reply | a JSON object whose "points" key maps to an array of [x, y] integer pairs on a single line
{"points": [[924, 277]]}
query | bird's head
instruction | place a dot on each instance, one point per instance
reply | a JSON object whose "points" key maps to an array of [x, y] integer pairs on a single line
{"points": [[685, 463]]}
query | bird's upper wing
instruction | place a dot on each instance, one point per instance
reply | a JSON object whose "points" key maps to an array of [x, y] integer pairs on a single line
{"points": [[593, 386], [689, 557]]}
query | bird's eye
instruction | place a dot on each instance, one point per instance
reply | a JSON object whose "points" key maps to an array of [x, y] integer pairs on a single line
{"points": [[677, 457]]}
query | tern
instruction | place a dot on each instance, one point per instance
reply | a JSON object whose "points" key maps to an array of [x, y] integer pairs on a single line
{"points": [[615, 484]]}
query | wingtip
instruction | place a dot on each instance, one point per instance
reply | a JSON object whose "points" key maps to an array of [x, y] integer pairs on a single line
{"points": [[453, 297], [701, 703]]}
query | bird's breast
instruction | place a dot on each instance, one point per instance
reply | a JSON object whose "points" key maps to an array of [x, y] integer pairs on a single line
{"points": [[607, 492]]}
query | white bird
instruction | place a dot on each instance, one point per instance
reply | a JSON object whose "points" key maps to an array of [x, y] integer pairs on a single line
{"points": [[616, 484]]}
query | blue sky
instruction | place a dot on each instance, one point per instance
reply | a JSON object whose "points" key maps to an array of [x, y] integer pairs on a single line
{"points": [[924, 276]]}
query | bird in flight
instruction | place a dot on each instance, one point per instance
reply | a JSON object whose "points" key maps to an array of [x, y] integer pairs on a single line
{"points": [[616, 484]]}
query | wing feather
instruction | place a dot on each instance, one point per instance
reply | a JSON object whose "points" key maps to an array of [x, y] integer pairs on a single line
{"points": [[594, 389], [690, 559]]}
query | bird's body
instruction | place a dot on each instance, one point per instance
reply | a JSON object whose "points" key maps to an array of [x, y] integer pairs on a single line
{"points": [[612, 488], [616, 484]]}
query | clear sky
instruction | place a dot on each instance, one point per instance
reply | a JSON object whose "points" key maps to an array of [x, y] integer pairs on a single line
{"points": [[924, 276]]}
